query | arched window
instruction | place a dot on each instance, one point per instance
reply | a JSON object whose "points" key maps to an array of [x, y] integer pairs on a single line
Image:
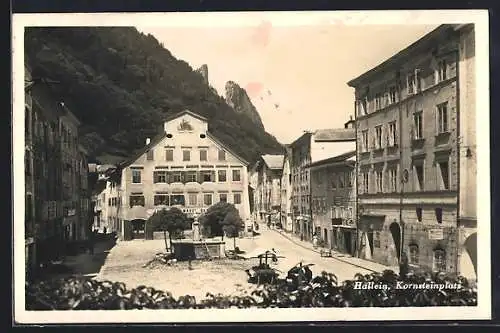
{"points": [[413, 254], [439, 260]]}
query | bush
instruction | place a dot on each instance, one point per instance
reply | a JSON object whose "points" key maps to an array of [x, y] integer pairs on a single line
{"points": [[80, 293]]}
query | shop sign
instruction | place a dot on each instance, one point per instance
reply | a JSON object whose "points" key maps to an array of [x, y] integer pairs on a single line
{"points": [[436, 234]]}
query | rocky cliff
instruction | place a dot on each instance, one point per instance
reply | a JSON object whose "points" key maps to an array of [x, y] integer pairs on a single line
{"points": [[237, 98], [203, 71]]}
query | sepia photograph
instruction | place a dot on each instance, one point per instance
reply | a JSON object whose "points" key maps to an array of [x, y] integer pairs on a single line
{"points": [[251, 167]]}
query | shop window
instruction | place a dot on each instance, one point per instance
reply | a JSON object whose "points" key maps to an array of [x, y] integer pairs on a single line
{"points": [[439, 260], [414, 254]]}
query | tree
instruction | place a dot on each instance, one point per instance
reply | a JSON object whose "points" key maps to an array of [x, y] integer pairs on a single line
{"points": [[232, 225], [215, 216], [172, 220]]}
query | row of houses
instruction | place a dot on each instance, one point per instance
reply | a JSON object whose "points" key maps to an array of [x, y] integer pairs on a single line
{"points": [[57, 193], [185, 166], [399, 179]]}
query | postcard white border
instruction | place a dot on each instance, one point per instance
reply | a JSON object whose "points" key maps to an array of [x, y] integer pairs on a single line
{"points": [[478, 17]]}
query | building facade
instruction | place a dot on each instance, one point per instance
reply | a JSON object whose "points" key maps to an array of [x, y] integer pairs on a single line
{"points": [[310, 148], [185, 167], [411, 152], [55, 172], [333, 193], [286, 194], [269, 169]]}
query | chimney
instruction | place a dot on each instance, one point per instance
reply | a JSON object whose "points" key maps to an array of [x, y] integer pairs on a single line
{"points": [[148, 141]]}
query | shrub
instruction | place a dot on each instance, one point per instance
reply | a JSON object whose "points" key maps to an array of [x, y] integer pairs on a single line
{"points": [[80, 293]]}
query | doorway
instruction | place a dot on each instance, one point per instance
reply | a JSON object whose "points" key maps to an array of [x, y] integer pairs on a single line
{"points": [[396, 237], [138, 229], [370, 242], [348, 242]]}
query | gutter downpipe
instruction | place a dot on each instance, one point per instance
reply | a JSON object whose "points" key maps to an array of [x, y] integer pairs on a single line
{"points": [[402, 180], [457, 105], [356, 168]]}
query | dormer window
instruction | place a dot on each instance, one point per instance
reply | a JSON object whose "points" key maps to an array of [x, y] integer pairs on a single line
{"points": [[441, 71]]}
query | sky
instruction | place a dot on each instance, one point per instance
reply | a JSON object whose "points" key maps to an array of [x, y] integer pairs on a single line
{"points": [[296, 76]]}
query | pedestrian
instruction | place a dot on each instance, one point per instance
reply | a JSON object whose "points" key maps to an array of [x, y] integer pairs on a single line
{"points": [[91, 242], [105, 230], [301, 237], [403, 266]]}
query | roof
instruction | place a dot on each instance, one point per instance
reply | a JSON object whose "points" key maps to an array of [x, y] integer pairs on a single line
{"points": [[334, 160], [161, 136], [307, 134], [421, 44], [335, 134], [192, 114], [273, 161]]}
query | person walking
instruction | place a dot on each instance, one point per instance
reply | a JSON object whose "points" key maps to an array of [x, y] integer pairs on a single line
{"points": [[403, 266]]}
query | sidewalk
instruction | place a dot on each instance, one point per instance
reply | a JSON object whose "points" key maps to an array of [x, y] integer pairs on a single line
{"points": [[343, 257]]}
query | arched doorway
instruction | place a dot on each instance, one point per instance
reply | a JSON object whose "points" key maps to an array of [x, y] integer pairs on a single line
{"points": [[395, 229], [468, 260], [138, 228]]}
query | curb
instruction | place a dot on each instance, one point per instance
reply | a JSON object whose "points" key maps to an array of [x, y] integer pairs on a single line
{"points": [[307, 248]]}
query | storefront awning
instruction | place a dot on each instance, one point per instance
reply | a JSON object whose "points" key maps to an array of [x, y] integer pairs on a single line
{"points": [[137, 213]]}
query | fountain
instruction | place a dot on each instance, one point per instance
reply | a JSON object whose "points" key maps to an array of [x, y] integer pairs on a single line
{"points": [[198, 247]]}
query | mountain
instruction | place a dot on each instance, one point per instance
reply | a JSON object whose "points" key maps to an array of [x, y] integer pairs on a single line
{"points": [[238, 99], [121, 84]]}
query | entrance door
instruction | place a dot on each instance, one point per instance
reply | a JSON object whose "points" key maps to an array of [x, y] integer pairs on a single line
{"points": [[325, 237], [348, 241], [396, 237], [370, 242]]}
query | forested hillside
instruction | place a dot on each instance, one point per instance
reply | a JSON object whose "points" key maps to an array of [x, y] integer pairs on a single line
{"points": [[121, 84]]}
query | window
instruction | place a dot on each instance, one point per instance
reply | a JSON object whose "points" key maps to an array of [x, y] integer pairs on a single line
{"points": [[237, 198], [362, 107], [365, 182], [417, 125], [136, 200], [159, 176], [341, 180], [350, 178], [442, 118], [418, 211], [419, 176], [392, 135], [223, 197], [193, 199], [222, 155], [186, 155], [169, 155], [413, 82], [150, 155], [203, 155], [439, 215], [364, 140], [177, 200], [378, 181], [207, 199], [236, 175], [393, 180], [334, 181], [207, 176], [136, 176], [191, 177], [176, 177], [443, 175], [378, 137], [441, 71], [439, 262], [378, 101], [221, 174], [392, 95], [413, 257], [161, 199], [109, 202]]}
